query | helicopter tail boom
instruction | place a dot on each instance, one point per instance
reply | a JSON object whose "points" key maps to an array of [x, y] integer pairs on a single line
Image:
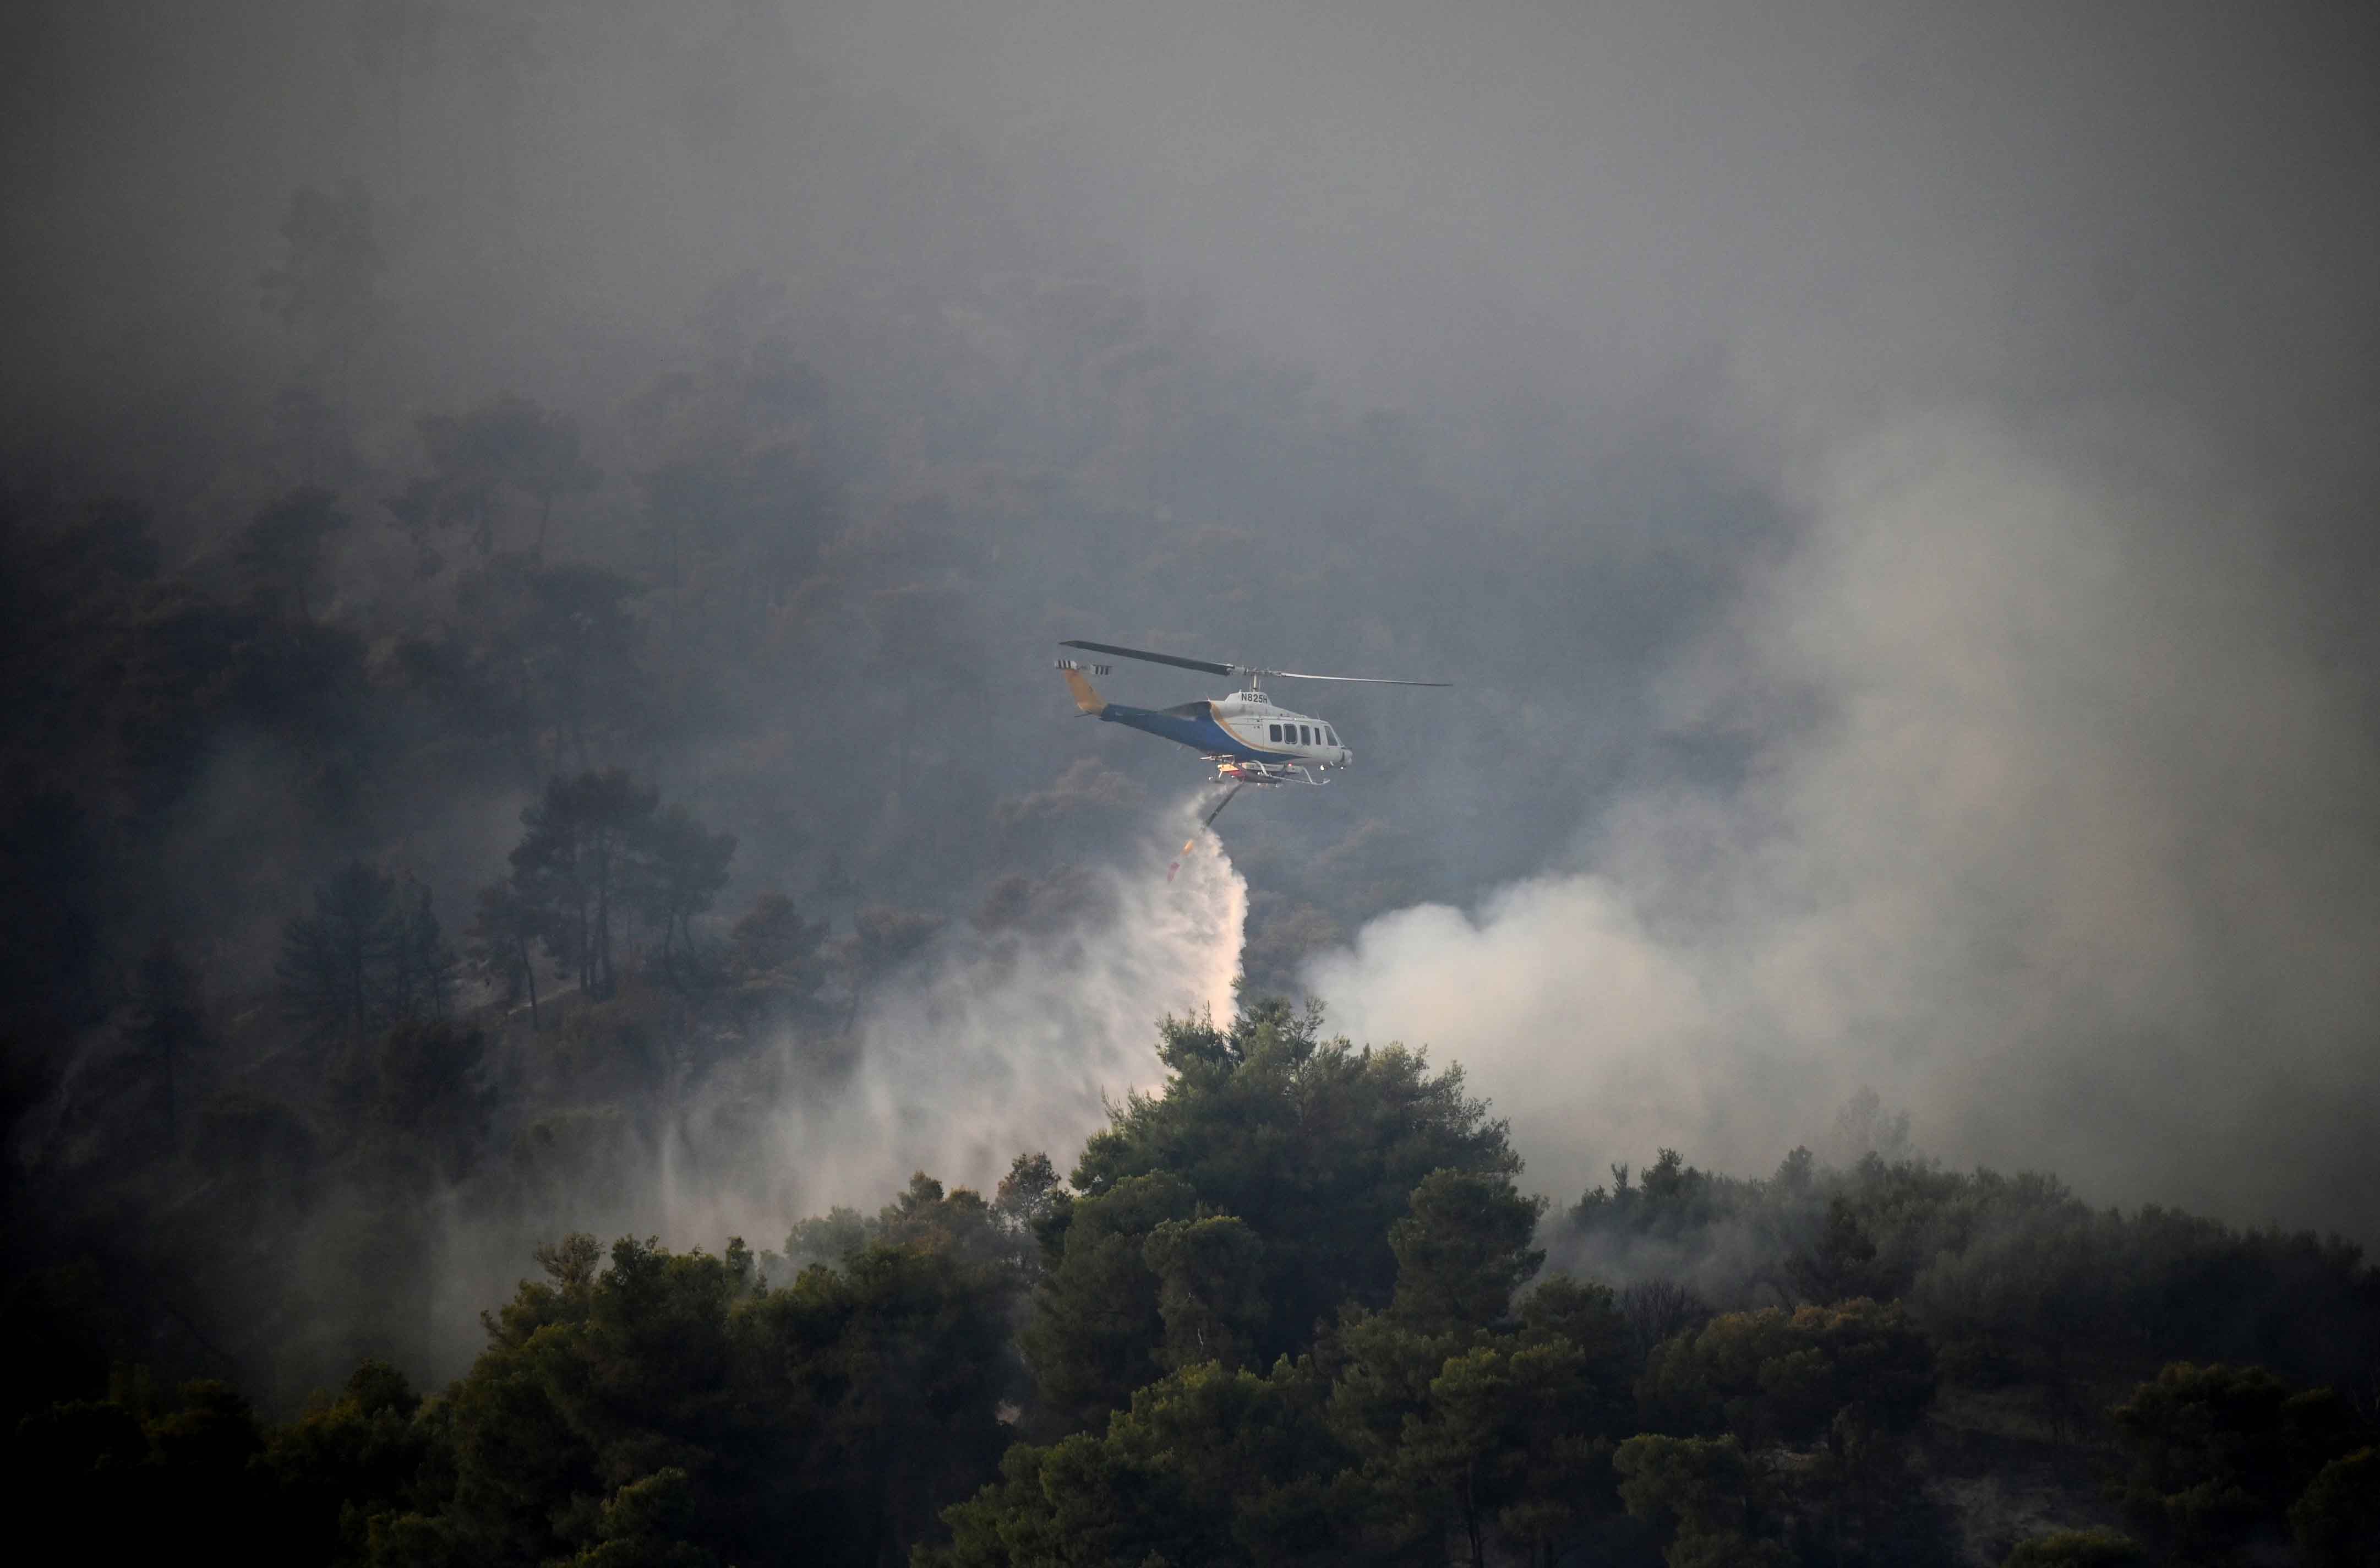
{"points": [[1086, 697]]}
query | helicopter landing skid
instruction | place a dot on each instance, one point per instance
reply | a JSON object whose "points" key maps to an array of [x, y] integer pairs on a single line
{"points": [[1230, 770]]}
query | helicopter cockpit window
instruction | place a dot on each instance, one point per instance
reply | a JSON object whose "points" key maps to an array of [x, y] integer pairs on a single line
{"points": [[1332, 733]]}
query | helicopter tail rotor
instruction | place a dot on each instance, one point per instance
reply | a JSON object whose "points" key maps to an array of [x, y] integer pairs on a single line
{"points": [[1085, 697]]}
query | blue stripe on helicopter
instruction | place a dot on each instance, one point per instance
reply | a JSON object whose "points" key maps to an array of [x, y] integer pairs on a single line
{"points": [[1198, 730]]}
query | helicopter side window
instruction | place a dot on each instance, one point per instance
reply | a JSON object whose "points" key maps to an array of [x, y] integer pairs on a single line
{"points": [[1276, 731], [1304, 734]]}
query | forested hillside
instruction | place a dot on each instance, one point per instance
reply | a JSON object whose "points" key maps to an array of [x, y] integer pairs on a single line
{"points": [[573, 987], [1291, 1307], [444, 793]]}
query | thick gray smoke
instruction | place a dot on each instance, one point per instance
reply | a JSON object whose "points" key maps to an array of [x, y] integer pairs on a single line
{"points": [[2055, 832], [992, 1043], [1894, 485], [2030, 773]]}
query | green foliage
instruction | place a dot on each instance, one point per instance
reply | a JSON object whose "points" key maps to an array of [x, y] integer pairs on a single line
{"points": [[1463, 1249], [1490, 1437], [1773, 1375], [2337, 1522], [644, 1525], [1210, 1290], [1660, 1310], [2012, 1273], [958, 1222], [828, 1238], [2219, 1453], [641, 1406], [1673, 1199], [348, 1465], [1839, 1262], [1706, 1493], [1097, 1326], [1208, 1466], [1031, 1194], [1512, 1436], [672, 1408], [1315, 1147]]}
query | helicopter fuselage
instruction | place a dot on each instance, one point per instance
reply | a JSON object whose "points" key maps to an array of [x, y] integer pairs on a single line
{"points": [[1244, 727], [1247, 728]]}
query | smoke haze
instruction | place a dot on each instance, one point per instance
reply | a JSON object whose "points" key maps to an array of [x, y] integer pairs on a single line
{"points": [[1894, 488], [996, 1043], [991, 1042], [2055, 836]]}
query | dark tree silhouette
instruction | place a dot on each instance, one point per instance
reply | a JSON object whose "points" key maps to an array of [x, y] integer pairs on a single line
{"points": [[509, 447], [680, 868], [421, 968], [500, 947], [334, 962], [576, 865], [281, 553], [881, 939]]}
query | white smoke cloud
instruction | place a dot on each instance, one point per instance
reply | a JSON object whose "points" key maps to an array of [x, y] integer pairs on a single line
{"points": [[989, 1045], [2052, 827], [992, 1045]]}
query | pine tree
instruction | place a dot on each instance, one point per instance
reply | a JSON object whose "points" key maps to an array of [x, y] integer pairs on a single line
{"points": [[501, 946], [679, 869], [576, 865], [334, 962], [421, 966]]}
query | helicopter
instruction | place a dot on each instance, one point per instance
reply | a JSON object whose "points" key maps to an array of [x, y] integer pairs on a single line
{"points": [[1248, 739]]}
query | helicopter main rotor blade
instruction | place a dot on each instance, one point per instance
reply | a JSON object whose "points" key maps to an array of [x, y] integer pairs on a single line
{"points": [[1365, 680], [1206, 665]]}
